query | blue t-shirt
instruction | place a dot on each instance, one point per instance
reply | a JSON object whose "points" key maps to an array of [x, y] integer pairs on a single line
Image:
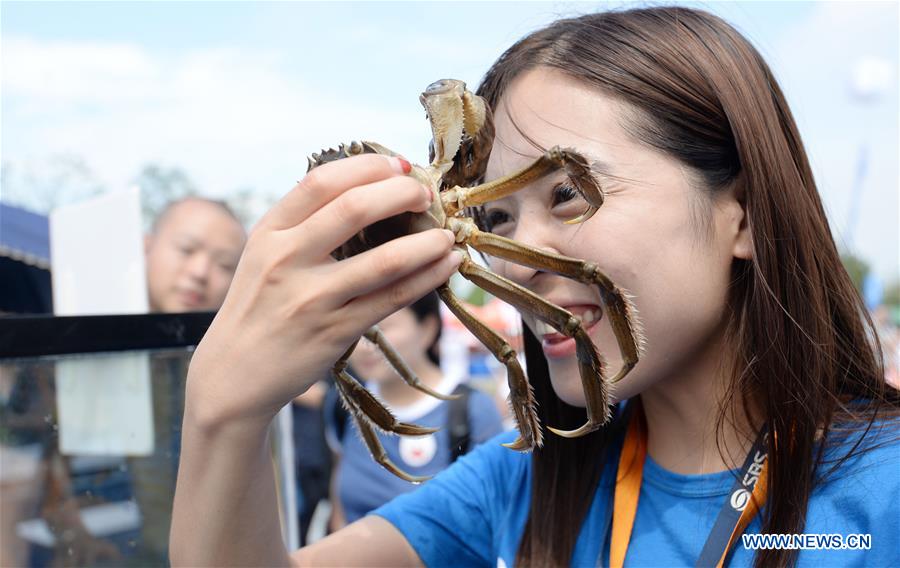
{"points": [[364, 485], [474, 513]]}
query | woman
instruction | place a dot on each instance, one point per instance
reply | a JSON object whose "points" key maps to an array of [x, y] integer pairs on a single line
{"points": [[756, 342], [359, 484]]}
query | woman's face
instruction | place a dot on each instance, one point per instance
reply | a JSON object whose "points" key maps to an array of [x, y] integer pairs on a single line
{"points": [[645, 237], [410, 337]]}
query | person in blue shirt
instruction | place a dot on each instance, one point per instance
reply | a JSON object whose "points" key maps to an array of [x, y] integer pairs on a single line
{"points": [[361, 485], [758, 405]]}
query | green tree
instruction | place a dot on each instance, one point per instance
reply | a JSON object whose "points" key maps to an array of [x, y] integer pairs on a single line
{"points": [[43, 186], [159, 185], [856, 267], [892, 294]]}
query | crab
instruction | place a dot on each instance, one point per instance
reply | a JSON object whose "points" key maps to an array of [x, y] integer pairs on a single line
{"points": [[463, 131]]}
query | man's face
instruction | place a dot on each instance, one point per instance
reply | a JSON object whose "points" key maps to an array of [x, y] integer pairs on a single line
{"points": [[191, 258]]}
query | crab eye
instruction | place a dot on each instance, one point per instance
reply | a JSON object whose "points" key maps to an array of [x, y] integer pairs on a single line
{"points": [[436, 87]]}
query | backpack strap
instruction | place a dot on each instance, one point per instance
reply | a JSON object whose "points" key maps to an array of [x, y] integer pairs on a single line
{"points": [[458, 426]]}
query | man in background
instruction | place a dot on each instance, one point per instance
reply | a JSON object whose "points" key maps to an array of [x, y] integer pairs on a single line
{"points": [[192, 251]]}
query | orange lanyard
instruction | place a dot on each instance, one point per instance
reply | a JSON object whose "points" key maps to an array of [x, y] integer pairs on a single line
{"points": [[628, 489]]}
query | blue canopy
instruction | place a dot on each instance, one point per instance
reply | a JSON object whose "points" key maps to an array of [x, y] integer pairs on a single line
{"points": [[24, 261], [24, 236]]}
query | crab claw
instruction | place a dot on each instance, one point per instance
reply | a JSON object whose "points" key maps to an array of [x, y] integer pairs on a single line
{"points": [[587, 428], [392, 467], [404, 429], [588, 213], [519, 445]]}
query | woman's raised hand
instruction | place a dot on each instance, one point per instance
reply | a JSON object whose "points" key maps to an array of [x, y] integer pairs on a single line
{"points": [[292, 310]]}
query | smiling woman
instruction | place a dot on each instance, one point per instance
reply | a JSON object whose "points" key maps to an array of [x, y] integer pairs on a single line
{"points": [[758, 351]]}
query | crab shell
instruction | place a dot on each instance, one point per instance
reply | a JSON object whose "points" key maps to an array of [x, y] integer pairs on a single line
{"points": [[462, 137]]}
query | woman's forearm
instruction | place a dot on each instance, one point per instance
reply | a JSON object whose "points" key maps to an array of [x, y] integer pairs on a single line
{"points": [[226, 510], [292, 310]]}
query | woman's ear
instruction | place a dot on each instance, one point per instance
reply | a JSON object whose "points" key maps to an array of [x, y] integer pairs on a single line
{"points": [[739, 224]]}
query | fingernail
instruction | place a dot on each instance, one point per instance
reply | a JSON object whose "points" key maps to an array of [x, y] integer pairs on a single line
{"points": [[450, 235], [400, 165]]}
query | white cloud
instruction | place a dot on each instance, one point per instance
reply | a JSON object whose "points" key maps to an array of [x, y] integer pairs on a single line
{"points": [[231, 118], [75, 72]]}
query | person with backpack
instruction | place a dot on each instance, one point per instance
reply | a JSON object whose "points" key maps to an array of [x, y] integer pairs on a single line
{"points": [[359, 484]]}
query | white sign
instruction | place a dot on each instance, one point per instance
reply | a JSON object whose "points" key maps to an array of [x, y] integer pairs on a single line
{"points": [[104, 403]]}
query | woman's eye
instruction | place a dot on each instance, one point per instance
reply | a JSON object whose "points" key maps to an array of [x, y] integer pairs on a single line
{"points": [[564, 192], [495, 218]]}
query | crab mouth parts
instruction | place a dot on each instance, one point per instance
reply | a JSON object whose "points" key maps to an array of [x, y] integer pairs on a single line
{"points": [[589, 316]]}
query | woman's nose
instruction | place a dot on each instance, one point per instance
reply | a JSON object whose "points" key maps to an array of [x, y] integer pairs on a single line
{"points": [[534, 239]]}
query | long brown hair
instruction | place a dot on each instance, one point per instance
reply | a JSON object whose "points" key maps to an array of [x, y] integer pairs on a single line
{"points": [[805, 344]]}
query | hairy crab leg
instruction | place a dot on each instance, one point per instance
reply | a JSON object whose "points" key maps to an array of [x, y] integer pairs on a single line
{"points": [[575, 165], [368, 433], [520, 392], [358, 398], [376, 337], [590, 364], [619, 308]]}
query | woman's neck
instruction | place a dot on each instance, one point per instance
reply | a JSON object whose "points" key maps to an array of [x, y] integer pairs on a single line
{"points": [[395, 392], [682, 413]]}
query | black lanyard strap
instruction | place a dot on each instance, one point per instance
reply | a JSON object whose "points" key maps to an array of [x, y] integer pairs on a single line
{"points": [[738, 498]]}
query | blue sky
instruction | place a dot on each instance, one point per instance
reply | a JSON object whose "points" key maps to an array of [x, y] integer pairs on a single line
{"points": [[238, 93]]}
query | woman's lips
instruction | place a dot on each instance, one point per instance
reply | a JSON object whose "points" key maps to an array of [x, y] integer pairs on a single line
{"points": [[557, 345]]}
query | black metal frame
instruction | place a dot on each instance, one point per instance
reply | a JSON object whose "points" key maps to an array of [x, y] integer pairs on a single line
{"points": [[36, 336]]}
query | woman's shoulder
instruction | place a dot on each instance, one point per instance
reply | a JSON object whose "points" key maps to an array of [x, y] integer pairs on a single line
{"points": [[860, 456], [858, 485], [871, 441]]}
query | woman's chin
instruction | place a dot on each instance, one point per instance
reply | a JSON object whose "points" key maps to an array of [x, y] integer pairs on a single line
{"points": [[569, 392], [568, 386]]}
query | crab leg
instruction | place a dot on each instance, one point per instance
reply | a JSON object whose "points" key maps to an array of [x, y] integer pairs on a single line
{"points": [[375, 336], [576, 166], [359, 399], [342, 380], [590, 364], [619, 309], [520, 392]]}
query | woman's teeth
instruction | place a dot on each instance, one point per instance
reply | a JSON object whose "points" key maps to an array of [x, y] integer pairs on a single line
{"points": [[587, 317], [542, 328]]}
